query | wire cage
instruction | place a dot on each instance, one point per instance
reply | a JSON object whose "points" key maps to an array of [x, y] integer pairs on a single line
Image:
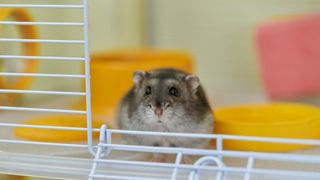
{"points": [[109, 159]]}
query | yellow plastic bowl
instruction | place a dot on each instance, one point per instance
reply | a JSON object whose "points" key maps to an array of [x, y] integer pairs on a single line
{"points": [[282, 120], [111, 72]]}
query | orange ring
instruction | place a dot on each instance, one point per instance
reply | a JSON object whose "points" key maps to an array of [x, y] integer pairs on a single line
{"points": [[29, 49]]}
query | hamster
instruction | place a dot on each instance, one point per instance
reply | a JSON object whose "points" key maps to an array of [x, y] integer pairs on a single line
{"points": [[165, 100]]}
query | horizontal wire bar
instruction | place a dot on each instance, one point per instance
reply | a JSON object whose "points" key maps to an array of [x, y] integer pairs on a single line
{"points": [[43, 92], [43, 75], [164, 134], [42, 41], [273, 156], [42, 57], [69, 6], [42, 23], [272, 172], [124, 177], [152, 164], [41, 110], [224, 137], [43, 143], [213, 168], [169, 165], [239, 154], [273, 140], [46, 127], [151, 149]]}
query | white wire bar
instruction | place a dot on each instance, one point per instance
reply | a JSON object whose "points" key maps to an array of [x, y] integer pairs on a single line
{"points": [[42, 75], [150, 164], [43, 143], [87, 73], [219, 145], [46, 127], [250, 165], [204, 152], [123, 177], [211, 168], [83, 24], [42, 23], [194, 174], [177, 162], [9, 108], [174, 150], [43, 92], [42, 58], [249, 155], [42, 41], [223, 137], [86, 59], [102, 138], [177, 166], [67, 6]]}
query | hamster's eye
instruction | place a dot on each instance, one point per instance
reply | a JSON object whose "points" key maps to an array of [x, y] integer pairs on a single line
{"points": [[174, 92], [147, 91]]}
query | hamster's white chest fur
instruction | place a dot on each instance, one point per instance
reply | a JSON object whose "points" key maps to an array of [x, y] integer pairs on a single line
{"points": [[170, 122]]}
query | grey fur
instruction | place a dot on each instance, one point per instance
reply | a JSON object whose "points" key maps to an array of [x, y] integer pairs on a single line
{"points": [[190, 112]]}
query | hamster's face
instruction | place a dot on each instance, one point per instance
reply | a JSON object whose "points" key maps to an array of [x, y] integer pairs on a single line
{"points": [[161, 97]]}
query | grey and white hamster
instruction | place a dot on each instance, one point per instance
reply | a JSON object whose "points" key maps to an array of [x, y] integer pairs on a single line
{"points": [[165, 100]]}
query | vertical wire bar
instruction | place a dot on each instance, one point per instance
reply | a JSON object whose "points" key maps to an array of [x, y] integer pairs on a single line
{"points": [[95, 163], [87, 73], [108, 135], [219, 146], [250, 164], [109, 141], [177, 162], [99, 153]]}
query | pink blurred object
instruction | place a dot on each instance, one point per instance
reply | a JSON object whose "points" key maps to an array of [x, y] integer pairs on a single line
{"points": [[289, 54]]}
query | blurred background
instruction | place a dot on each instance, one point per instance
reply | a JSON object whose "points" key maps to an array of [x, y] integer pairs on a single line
{"points": [[219, 34]]}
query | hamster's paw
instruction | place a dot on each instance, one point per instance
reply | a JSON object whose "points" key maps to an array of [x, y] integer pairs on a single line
{"points": [[159, 158], [186, 160]]}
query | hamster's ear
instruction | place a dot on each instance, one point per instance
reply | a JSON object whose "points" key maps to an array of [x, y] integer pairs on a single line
{"points": [[138, 77], [193, 82]]}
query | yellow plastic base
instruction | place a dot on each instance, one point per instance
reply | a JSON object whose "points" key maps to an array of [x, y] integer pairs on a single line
{"points": [[283, 120], [47, 135]]}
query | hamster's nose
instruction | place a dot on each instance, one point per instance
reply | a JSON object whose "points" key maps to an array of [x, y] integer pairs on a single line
{"points": [[158, 112]]}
